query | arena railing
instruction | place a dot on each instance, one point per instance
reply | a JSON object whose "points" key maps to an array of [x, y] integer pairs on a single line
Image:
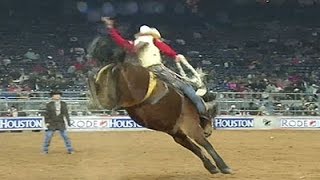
{"points": [[229, 103], [254, 103]]}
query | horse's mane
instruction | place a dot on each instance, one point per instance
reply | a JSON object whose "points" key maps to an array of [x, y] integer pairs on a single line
{"points": [[105, 50]]}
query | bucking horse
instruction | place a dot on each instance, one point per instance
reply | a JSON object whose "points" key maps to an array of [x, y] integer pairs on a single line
{"points": [[150, 102]]}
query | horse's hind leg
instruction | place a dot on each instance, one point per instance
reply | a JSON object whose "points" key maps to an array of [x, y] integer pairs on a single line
{"points": [[183, 140], [201, 140]]}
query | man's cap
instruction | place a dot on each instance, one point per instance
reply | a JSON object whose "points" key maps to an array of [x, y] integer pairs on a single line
{"points": [[54, 92]]}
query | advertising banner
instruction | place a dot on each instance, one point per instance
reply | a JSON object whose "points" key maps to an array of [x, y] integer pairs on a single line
{"points": [[234, 122], [21, 123], [103, 123], [125, 123], [266, 122], [300, 122]]}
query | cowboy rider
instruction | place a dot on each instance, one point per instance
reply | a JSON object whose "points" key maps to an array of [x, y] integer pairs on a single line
{"points": [[150, 58]]}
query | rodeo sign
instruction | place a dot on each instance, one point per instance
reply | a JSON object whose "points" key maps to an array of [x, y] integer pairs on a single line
{"points": [[103, 123], [300, 122]]}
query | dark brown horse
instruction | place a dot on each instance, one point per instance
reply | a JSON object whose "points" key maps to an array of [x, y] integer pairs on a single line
{"points": [[154, 105]]}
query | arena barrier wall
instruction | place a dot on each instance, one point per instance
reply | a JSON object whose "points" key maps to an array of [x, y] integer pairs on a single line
{"points": [[125, 123], [267, 122]]}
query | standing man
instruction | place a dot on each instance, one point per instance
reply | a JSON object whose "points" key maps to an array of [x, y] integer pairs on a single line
{"points": [[55, 116]]}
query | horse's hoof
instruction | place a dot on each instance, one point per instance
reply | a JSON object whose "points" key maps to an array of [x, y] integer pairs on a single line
{"points": [[211, 168], [214, 171], [226, 171]]}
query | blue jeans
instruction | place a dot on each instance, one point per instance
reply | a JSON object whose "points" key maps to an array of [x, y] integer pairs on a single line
{"points": [[197, 100], [166, 75], [48, 137]]}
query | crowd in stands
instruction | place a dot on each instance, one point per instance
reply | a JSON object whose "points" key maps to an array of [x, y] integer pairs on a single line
{"points": [[44, 56], [267, 56]]}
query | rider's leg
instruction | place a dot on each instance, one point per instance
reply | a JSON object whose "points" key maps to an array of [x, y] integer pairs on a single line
{"points": [[202, 106], [197, 100], [187, 89]]}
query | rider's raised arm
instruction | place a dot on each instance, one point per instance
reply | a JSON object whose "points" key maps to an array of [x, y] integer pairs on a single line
{"points": [[165, 49], [119, 40]]}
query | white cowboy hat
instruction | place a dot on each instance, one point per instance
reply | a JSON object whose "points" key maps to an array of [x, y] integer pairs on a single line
{"points": [[146, 30]]}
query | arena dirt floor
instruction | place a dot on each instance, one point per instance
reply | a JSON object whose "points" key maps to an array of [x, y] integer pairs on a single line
{"points": [[155, 156]]}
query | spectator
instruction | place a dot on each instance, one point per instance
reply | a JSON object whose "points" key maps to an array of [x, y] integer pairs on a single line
{"points": [[233, 111], [252, 109], [30, 54], [13, 111], [266, 109]]}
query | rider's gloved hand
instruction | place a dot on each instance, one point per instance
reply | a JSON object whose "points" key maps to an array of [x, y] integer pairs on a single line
{"points": [[179, 57]]}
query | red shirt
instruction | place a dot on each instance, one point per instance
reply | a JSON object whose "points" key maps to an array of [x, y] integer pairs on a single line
{"points": [[128, 45], [165, 48], [119, 40]]}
